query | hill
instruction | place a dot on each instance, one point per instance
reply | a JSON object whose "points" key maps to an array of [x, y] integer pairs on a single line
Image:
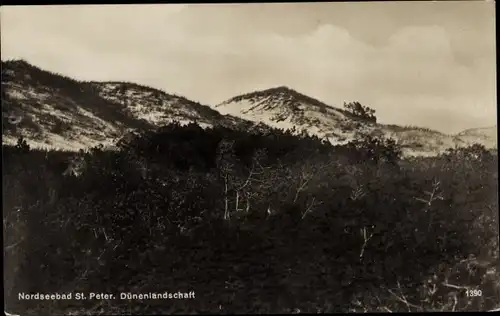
{"points": [[283, 107], [54, 111], [50, 110]]}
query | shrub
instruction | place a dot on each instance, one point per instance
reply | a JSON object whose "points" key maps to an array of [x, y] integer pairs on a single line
{"points": [[358, 110], [285, 223], [60, 127], [22, 146]]}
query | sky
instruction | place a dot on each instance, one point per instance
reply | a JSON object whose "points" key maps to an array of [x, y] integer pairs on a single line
{"points": [[431, 64]]}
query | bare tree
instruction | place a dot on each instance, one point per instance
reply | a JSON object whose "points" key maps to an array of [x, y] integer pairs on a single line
{"points": [[225, 157], [244, 188]]}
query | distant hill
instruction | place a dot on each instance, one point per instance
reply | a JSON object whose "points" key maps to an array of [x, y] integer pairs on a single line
{"points": [[283, 107], [53, 111]]}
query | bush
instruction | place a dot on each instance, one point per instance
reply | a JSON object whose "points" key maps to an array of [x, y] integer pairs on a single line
{"points": [[358, 110], [285, 223], [22, 146], [60, 127], [374, 150]]}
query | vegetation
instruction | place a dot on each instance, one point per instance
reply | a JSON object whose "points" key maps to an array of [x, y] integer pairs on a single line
{"points": [[253, 223], [288, 96], [62, 92], [358, 110], [399, 128], [60, 127], [159, 96]]}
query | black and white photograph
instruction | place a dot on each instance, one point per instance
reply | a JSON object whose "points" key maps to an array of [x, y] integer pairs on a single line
{"points": [[250, 158]]}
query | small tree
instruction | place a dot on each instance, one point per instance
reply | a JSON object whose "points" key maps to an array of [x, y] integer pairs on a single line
{"points": [[22, 146], [225, 163], [364, 112]]}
